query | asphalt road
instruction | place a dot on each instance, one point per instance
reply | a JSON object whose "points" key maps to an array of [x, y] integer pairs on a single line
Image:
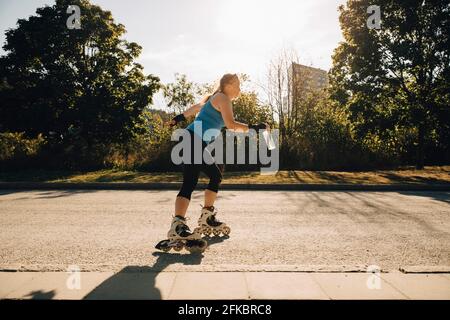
{"points": [[270, 230]]}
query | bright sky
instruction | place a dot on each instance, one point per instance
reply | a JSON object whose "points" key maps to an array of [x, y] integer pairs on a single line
{"points": [[207, 38]]}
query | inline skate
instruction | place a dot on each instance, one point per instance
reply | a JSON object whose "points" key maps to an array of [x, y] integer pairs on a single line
{"points": [[179, 237], [208, 223]]}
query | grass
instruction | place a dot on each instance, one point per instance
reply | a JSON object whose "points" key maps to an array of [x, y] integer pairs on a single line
{"points": [[431, 174]]}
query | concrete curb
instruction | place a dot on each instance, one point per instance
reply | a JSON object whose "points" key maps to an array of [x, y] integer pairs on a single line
{"points": [[225, 186], [442, 269], [190, 268], [425, 269]]}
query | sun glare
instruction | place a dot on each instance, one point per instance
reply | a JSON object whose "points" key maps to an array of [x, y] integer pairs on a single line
{"points": [[261, 21]]}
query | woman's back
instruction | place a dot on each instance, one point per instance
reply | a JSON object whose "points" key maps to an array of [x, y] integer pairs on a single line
{"points": [[208, 118]]}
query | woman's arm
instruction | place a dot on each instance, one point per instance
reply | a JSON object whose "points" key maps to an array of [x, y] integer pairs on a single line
{"points": [[226, 110], [193, 110]]}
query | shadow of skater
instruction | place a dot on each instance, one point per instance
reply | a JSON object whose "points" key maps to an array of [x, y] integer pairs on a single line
{"points": [[41, 295], [138, 282]]}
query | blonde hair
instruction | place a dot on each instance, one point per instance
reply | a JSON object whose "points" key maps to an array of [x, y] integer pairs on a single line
{"points": [[226, 79]]}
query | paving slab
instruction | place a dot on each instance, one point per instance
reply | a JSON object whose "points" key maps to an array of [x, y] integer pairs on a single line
{"points": [[93, 285], [283, 285], [209, 286], [9, 281], [352, 286], [446, 275], [54, 285], [420, 286], [134, 286]]}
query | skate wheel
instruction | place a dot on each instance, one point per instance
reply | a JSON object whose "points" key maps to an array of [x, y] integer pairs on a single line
{"points": [[196, 246], [207, 231], [226, 231], [163, 246], [196, 250], [216, 232], [178, 247]]}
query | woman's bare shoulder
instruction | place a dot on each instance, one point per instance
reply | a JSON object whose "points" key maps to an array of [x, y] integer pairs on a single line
{"points": [[219, 99]]}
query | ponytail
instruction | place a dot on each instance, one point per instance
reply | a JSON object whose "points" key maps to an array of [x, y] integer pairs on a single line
{"points": [[226, 79]]}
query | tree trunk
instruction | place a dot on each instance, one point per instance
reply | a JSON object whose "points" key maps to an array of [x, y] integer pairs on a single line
{"points": [[283, 145], [420, 148]]}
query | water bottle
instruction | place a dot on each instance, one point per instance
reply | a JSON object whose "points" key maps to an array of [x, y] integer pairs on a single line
{"points": [[269, 141]]}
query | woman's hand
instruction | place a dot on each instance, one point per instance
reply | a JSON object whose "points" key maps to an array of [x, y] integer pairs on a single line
{"points": [[175, 120], [170, 123], [259, 126]]}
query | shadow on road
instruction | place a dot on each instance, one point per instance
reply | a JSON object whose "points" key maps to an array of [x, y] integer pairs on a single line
{"points": [[53, 194], [41, 295], [10, 191], [435, 195], [43, 194], [61, 193], [354, 205], [138, 282]]}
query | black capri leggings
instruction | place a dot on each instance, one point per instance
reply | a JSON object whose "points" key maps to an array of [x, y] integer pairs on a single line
{"points": [[191, 172]]}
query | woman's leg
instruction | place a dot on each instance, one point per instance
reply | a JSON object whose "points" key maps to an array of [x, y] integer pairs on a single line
{"points": [[181, 206], [215, 178], [210, 198], [191, 173]]}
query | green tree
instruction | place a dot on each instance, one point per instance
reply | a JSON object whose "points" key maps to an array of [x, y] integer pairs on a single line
{"points": [[248, 109], [80, 86], [397, 76], [180, 94]]}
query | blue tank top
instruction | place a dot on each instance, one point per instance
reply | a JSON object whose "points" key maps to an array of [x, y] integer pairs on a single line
{"points": [[208, 123]]}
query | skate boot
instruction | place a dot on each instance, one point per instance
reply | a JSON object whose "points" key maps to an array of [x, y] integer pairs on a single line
{"points": [[207, 223], [180, 231], [179, 237]]}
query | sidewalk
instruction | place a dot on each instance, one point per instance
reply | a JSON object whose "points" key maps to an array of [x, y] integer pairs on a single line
{"points": [[223, 285]]}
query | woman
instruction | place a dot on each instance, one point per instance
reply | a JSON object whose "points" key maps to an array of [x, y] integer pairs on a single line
{"points": [[216, 111]]}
